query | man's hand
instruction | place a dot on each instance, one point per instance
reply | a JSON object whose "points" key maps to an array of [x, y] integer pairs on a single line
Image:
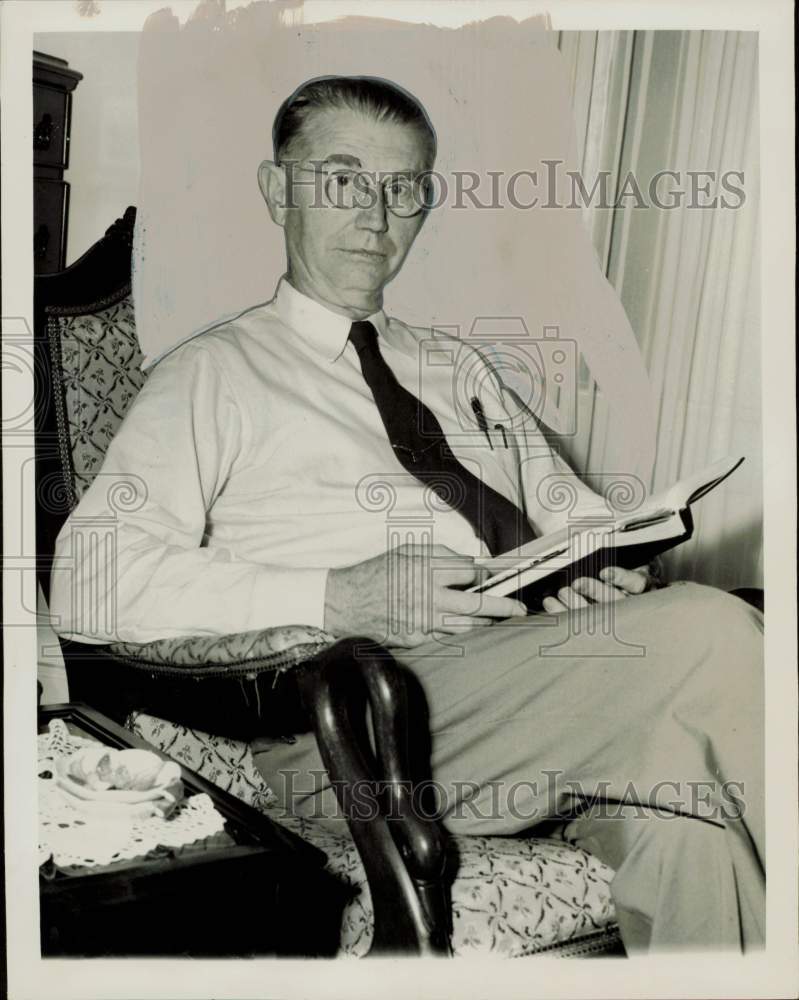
{"points": [[613, 584], [400, 597]]}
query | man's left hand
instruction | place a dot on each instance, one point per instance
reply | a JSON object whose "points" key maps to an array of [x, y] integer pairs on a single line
{"points": [[613, 584]]}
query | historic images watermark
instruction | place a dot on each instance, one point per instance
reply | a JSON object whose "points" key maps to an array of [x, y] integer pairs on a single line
{"points": [[503, 382], [550, 796], [550, 186], [92, 541], [503, 378]]}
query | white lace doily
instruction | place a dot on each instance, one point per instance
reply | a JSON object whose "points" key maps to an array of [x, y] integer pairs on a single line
{"points": [[76, 839]]}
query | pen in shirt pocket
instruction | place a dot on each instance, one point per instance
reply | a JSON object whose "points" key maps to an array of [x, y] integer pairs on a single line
{"points": [[482, 423]]}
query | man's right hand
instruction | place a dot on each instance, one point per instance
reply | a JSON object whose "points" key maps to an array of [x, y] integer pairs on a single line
{"points": [[399, 598]]}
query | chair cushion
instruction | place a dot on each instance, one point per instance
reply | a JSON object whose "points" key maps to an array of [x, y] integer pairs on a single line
{"points": [[97, 376], [511, 896], [242, 685], [280, 647]]}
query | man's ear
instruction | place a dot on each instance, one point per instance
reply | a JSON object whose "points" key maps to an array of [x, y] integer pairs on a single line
{"points": [[272, 182]]}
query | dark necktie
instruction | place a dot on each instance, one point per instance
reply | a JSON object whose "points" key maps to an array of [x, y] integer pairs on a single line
{"points": [[420, 445]]}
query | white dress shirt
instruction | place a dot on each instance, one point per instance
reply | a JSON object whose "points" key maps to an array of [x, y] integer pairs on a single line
{"points": [[259, 461]]}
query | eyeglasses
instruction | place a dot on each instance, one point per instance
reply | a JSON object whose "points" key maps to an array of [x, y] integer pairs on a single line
{"points": [[403, 195]]}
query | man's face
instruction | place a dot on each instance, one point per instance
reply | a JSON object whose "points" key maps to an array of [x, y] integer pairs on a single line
{"points": [[344, 257]]}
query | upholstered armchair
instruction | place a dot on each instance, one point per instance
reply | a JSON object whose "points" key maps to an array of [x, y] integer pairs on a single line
{"points": [[203, 699]]}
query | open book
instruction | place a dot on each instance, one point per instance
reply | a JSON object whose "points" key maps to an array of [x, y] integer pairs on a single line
{"points": [[543, 566]]}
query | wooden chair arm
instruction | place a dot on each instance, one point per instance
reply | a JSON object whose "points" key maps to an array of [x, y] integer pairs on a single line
{"points": [[402, 852]]}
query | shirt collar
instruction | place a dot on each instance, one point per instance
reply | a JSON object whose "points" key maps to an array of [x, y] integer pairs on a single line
{"points": [[319, 326]]}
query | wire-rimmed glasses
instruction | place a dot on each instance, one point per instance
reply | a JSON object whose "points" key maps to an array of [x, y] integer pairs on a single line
{"points": [[404, 194]]}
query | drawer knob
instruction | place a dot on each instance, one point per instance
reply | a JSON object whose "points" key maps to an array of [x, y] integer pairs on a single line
{"points": [[43, 132]]}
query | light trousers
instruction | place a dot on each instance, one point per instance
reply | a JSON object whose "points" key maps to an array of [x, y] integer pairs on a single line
{"points": [[638, 724]]}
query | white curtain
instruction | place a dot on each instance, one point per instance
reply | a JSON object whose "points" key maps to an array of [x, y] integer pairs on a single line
{"points": [[688, 277]]}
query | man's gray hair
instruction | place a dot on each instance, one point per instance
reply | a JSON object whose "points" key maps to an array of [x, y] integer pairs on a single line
{"points": [[370, 95]]}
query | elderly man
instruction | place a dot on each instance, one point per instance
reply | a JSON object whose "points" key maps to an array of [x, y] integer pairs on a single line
{"points": [[257, 441]]}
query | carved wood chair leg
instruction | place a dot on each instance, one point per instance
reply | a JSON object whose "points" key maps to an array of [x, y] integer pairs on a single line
{"points": [[403, 859], [420, 838]]}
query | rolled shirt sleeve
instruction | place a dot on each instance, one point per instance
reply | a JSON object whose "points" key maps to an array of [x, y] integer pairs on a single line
{"points": [[130, 561]]}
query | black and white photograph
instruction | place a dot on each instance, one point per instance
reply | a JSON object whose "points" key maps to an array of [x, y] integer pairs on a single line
{"points": [[399, 477]]}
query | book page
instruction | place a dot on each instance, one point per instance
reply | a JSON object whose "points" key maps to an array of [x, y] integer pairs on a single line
{"points": [[688, 490]]}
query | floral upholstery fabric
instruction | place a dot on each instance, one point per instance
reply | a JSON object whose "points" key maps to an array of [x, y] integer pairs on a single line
{"points": [[280, 647], [100, 375], [511, 896], [228, 763]]}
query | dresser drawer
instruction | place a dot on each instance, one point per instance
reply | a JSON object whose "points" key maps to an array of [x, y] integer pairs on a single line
{"points": [[51, 109], [50, 203]]}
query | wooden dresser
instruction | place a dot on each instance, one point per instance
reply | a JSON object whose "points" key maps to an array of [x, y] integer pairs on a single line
{"points": [[53, 83]]}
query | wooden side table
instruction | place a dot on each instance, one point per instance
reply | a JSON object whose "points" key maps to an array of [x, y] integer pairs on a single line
{"points": [[256, 890]]}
